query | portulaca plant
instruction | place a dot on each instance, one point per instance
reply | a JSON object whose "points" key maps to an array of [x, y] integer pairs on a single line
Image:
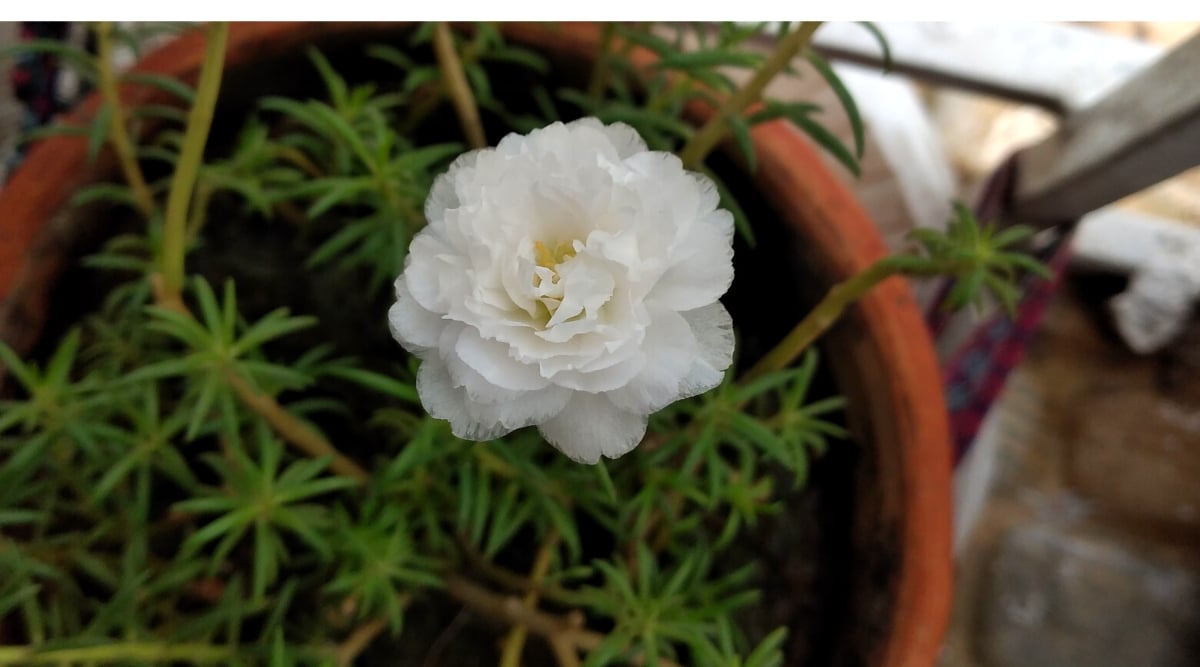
{"points": [[191, 473]]}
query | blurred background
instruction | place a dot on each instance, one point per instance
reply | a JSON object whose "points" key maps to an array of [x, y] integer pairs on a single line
{"points": [[1077, 422]]}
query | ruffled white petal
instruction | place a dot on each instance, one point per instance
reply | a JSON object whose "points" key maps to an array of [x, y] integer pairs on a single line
{"points": [[590, 426], [623, 137], [444, 195], [568, 279], [701, 267], [713, 329], [492, 361], [473, 420], [669, 351]]}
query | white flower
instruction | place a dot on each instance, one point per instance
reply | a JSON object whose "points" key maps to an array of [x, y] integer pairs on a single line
{"points": [[567, 279]]}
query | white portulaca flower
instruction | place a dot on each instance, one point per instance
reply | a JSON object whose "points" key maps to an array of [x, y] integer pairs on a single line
{"points": [[567, 279]]}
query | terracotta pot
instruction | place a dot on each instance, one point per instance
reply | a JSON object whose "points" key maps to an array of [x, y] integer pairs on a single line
{"points": [[881, 357]]}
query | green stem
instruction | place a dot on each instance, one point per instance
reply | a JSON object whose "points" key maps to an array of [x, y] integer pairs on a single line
{"points": [[820, 318], [358, 641], [199, 209], [842, 295], [568, 630], [293, 430], [118, 132], [186, 170], [514, 643], [600, 71], [702, 143], [456, 85], [144, 652]]}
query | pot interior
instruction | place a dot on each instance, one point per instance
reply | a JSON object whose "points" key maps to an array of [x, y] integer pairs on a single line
{"points": [[828, 562]]}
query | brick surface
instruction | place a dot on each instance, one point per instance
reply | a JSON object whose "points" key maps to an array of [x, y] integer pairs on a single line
{"points": [[1058, 598]]}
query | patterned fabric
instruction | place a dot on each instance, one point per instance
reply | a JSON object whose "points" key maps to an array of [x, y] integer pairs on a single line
{"points": [[34, 78], [976, 372]]}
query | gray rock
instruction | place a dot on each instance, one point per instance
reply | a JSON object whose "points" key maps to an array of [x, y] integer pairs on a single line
{"points": [[1056, 598]]}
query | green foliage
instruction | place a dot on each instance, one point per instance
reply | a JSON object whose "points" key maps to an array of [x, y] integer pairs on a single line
{"points": [[983, 259], [658, 606], [151, 513], [257, 497], [352, 159], [657, 103], [216, 347]]}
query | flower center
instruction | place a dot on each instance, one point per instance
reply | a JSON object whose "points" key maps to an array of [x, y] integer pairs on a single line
{"points": [[547, 282], [550, 259]]}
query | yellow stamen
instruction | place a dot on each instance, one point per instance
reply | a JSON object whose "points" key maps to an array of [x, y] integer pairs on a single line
{"points": [[551, 259], [544, 257]]}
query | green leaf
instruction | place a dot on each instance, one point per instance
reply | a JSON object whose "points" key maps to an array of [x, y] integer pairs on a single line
{"points": [[104, 192], [58, 369], [773, 109], [13, 365], [740, 220], [846, 99], [741, 134], [54, 130], [519, 56], [381, 383], [338, 243], [421, 159], [98, 133], [827, 140], [1027, 263], [644, 38], [478, 78], [202, 408], [606, 482], [333, 81], [162, 369], [692, 60], [159, 111], [273, 325], [419, 77], [341, 191], [17, 517], [883, 43], [340, 127], [390, 54], [1011, 235], [179, 89], [78, 58]]}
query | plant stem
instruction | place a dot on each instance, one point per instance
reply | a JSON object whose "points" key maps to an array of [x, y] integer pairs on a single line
{"points": [[186, 169], [299, 159], [293, 430], [518, 582], [514, 643], [199, 212], [118, 132], [600, 71], [702, 143], [819, 319], [555, 629], [358, 641], [143, 652], [456, 85], [842, 295]]}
